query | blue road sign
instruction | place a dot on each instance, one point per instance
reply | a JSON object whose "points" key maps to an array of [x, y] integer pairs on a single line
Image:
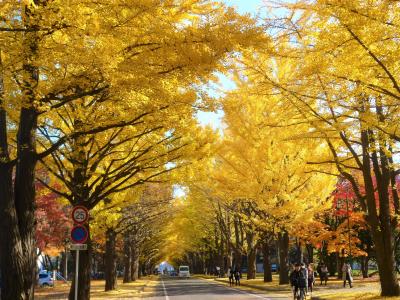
{"points": [[79, 234]]}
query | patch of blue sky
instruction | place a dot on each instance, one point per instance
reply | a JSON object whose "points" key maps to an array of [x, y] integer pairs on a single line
{"points": [[179, 191], [211, 118], [245, 6]]}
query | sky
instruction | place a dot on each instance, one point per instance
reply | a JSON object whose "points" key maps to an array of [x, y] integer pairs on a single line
{"points": [[245, 6]]}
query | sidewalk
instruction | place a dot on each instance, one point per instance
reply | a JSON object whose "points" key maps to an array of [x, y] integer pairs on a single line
{"points": [[363, 289]]}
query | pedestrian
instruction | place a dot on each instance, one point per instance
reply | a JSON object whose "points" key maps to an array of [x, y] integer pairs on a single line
{"points": [[297, 280], [323, 275], [230, 276], [346, 270], [305, 274], [319, 269], [311, 278], [237, 276], [291, 268]]}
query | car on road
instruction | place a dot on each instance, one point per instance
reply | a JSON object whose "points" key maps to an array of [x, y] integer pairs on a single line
{"points": [[183, 272], [45, 280]]}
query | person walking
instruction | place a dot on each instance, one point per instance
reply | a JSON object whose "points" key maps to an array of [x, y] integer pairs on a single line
{"points": [[297, 281], [237, 276], [305, 274], [346, 270], [311, 278], [230, 276], [323, 275]]}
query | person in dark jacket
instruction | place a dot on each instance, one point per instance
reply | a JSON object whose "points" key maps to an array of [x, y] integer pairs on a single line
{"points": [[297, 280], [310, 278], [236, 274], [322, 270], [230, 276]]}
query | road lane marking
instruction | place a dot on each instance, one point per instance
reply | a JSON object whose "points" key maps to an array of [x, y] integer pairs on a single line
{"points": [[165, 290], [238, 290]]}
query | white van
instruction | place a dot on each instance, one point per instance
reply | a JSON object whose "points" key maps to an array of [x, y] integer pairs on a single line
{"points": [[184, 271]]}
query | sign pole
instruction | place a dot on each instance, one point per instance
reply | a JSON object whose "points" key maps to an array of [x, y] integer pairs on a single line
{"points": [[76, 274], [66, 264], [79, 234]]}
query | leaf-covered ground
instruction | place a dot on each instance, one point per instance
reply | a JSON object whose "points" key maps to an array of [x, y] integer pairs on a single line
{"points": [[133, 290]]}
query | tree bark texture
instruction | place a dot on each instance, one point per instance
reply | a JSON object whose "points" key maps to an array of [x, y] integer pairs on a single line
{"points": [[134, 262], [267, 262], [251, 255], [110, 261], [283, 244], [127, 259]]}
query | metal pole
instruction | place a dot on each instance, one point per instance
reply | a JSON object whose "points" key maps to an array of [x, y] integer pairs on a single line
{"points": [[76, 274], [66, 264]]}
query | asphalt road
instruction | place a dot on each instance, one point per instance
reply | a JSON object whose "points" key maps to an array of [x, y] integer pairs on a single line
{"points": [[199, 289]]}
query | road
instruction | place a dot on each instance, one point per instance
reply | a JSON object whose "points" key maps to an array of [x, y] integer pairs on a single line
{"points": [[199, 289]]}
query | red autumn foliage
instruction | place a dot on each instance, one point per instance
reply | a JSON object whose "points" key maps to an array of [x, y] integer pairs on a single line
{"points": [[53, 221]]}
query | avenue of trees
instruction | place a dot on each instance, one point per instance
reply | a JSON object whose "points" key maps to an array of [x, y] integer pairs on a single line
{"points": [[98, 104], [311, 126]]}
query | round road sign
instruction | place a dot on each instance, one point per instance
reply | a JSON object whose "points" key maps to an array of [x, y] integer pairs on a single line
{"points": [[79, 234], [80, 214]]}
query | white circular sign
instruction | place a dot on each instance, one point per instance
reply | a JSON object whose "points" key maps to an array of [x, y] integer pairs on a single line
{"points": [[80, 214]]}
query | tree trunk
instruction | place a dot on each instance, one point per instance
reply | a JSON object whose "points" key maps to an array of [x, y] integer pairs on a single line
{"points": [[364, 266], [238, 259], [299, 252], [238, 245], [283, 243], [135, 262], [251, 262], [84, 271], [310, 253], [379, 219], [127, 259], [267, 262], [387, 270], [110, 261], [228, 259], [24, 192], [251, 255], [11, 251]]}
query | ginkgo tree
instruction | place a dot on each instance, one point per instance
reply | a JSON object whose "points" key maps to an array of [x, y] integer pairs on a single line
{"points": [[336, 62]]}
